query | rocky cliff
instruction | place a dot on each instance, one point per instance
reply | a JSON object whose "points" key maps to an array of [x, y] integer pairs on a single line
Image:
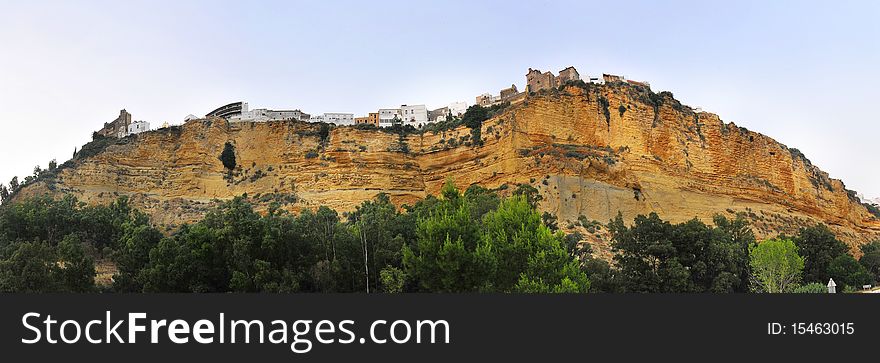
{"points": [[592, 151]]}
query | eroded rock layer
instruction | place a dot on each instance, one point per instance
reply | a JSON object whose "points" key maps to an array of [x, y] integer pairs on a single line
{"points": [[591, 151]]}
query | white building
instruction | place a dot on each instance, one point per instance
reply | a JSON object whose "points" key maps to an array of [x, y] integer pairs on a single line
{"points": [[263, 115], [416, 115], [457, 108], [387, 116], [339, 118], [138, 127]]}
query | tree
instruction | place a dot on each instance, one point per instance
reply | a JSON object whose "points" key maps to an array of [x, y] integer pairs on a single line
{"points": [[324, 133], [644, 254], [133, 256], [392, 279], [29, 268], [473, 118], [818, 246], [53, 165], [871, 259], [4, 193], [572, 243], [227, 157], [509, 249], [870, 247], [481, 200], [529, 257], [602, 277], [75, 270], [550, 221], [776, 266], [532, 195], [846, 271], [13, 184], [735, 237], [381, 231], [447, 255]]}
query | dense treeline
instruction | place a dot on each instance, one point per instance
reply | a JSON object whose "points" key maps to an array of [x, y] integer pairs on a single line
{"points": [[653, 255], [460, 242], [471, 241]]}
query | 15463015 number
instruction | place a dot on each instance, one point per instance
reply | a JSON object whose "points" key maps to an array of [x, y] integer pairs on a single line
{"points": [[823, 328]]}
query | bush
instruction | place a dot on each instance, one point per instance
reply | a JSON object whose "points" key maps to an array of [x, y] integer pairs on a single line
{"points": [[228, 156], [311, 154], [811, 288], [873, 209], [603, 103], [94, 147]]}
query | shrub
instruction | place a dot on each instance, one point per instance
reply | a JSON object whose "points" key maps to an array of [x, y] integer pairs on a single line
{"points": [[311, 154], [94, 147], [811, 288], [873, 209], [603, 103], [228, 156]]}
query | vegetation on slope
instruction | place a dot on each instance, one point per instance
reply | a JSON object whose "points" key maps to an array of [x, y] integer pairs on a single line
{"points": [[475, 241]]}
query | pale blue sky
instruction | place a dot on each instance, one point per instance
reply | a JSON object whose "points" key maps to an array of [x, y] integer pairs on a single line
{"points": [[804, 73]]}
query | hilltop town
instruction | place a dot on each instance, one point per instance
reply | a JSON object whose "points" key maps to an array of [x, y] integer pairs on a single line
{"points": [[587, 147], [405, 115]]}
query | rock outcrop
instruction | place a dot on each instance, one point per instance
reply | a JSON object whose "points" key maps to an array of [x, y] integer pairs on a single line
{"points": [[592, 151]]}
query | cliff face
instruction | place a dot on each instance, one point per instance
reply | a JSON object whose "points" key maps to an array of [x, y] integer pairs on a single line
{"points": [[591, 151]]}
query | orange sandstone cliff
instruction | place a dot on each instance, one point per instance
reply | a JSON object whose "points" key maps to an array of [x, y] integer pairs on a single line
{"points": [[592, 151]]}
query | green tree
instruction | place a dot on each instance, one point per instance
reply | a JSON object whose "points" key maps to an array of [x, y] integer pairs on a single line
{"points": [[473, 118], [4, 193], [527, 254], [508, 250], [776, 266], [602, 277], [447, 255], [846, 271], [13, 184], [870, 247], [646, 254], [133, 256], [871, 259], [75, 270], [481, 201], [392, 279], [818, 246], [29, 267], [532, 195], [732, 239]]}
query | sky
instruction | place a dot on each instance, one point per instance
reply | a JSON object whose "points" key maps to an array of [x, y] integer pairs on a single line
{"points": [[802, 72]]}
